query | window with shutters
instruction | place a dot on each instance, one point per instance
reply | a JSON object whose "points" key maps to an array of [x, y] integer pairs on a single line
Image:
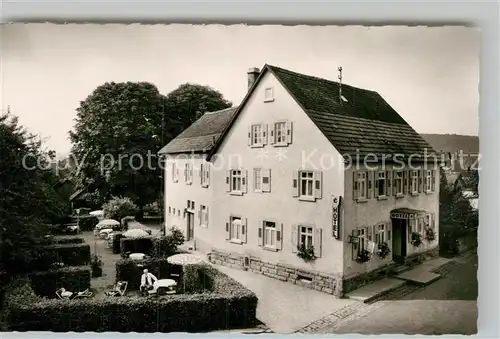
{"points": [[257, 137], [380, 184], [420, 226], [360, 186], [270, 233], [261, 180], [307, 185], [268, 94], [236, 178], [306, 236], [380, 233], [414, 182], [235, 231], [205, 174], [411, 228], [398, 183], [169, 210]]}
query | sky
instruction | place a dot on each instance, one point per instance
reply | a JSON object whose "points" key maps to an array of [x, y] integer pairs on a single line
{"points": [[429, 75]]}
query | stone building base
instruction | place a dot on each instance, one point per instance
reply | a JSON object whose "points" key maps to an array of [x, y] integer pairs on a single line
{"points": [[335, 285], [307, 278]]}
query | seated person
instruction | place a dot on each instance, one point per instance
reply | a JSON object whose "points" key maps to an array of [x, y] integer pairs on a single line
{"points": [[147, 281], [116, 289]]}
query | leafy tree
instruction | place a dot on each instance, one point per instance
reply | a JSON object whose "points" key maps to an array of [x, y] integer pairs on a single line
{"points": [[118, 126], [188, 102], [132, 120], [456, 215], [118, 208], [28, 199]]}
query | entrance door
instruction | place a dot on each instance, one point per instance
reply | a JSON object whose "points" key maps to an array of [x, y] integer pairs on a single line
{"points": [[190, 226], [399, 240]]}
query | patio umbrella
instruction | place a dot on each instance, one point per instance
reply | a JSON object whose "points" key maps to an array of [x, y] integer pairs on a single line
{"points": [[107, 223], [98, 213], [135, 233], [184, 259]]}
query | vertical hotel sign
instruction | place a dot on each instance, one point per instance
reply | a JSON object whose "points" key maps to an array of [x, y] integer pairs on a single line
{"points": [[335, 216]]}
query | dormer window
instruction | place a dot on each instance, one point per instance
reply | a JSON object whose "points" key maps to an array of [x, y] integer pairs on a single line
{"points": [[268, 94]]}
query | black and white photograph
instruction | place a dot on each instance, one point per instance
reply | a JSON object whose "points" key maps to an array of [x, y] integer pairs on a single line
{"points": [[239, 179]]}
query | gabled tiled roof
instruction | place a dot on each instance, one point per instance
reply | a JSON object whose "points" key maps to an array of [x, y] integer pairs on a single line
{"points": [[360, 123], [202, 135]]}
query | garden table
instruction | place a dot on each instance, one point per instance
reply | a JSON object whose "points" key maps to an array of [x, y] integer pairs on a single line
{"points": [[184, 259]]}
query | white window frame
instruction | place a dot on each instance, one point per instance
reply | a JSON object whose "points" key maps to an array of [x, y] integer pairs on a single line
{"points": [[235, 237], [362, 177], [188, 168], [381, 178], [234, 179], [257, 180], [428, 181], [363, 242], [304, 234], [380, 234], [270, 234], [268, 94], [414, 182], [398, 178], [283, 142], [256, 139], [309, 180]]}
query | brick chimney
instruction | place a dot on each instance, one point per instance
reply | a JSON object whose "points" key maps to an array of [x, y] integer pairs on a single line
{"points": [[252, 73]]}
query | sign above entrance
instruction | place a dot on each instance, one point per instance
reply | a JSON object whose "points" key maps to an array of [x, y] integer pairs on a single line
{"points": [[407, 215]]}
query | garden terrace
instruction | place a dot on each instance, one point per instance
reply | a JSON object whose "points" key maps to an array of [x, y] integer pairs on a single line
{"points": [[224, 304]]}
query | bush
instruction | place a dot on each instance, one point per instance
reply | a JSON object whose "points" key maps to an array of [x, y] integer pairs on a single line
{"points": [[136, 245], [152, 209], [229, 306], [118, 208], [74, 279], [67, 240], [87, 223], [69, 254]]}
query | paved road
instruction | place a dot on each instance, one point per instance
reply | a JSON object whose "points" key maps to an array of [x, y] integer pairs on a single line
{"points": [[458, 284], [447, 306]]}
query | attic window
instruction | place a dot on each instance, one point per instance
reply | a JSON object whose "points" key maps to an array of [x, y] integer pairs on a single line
{"points": [[343, 98], [268, 94]]}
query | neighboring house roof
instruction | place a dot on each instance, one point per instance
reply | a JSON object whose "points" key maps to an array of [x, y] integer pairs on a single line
{"points": [[202, 135], [359, 124]]}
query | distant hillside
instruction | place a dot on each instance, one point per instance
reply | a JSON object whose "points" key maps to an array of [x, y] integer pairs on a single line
{"points": [[453, 144]]}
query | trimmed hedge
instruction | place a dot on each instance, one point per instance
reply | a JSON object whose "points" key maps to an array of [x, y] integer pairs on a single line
{"points": [[74, 279], [67, 240], [116, 242], [69, 254], [136, 245], [229, 306], [129, 270], [87, 222]]}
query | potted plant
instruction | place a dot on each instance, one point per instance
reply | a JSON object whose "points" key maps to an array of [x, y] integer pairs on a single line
{"points": [[96, 266], [416, 239], [363, 256], [430, 234], [383, 250], [306, 253]]}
